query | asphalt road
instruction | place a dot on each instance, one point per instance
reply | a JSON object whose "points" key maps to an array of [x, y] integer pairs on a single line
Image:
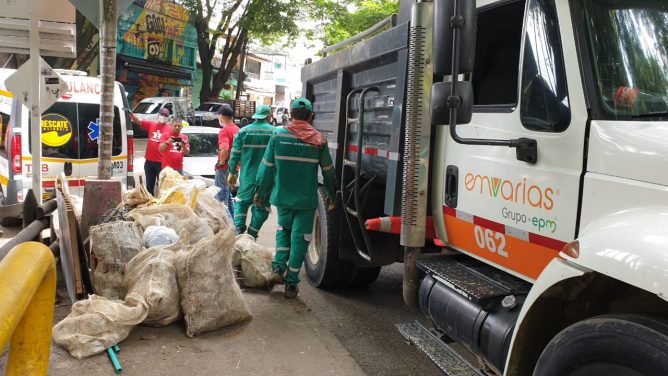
{"points": [[362, 319]]}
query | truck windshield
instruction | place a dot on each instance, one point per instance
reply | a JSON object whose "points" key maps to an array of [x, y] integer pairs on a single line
{"points": [[628, 47]]}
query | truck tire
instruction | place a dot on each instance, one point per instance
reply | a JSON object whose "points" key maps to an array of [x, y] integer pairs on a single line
{"points": [[608, 345], [322, 264], [244, 122], [364, 276]]}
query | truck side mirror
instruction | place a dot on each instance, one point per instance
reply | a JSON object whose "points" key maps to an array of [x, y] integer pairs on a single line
{"points": [[445, 22], [440, 107]]}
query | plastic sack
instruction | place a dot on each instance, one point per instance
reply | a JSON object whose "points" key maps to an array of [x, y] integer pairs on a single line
{"points": [[210, 295], [254, 262], [152, 275], [161, 215], [138, 197], [159, 235], [113, 245], [196, 227], [98, 323], [177, 189], [214, 212]]}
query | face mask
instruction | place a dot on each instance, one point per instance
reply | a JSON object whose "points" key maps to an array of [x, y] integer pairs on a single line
{"points": [[162, 119]]}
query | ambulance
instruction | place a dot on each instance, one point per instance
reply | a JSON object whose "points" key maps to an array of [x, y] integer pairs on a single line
{"points": [[70, 133]]}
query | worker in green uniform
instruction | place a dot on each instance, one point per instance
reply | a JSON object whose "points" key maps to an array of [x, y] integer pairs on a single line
{"points": [[248, 149], [288, 178]]}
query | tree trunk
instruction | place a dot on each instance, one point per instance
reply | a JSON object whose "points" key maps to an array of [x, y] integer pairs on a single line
{"points": [[229, 62], [205, 91], [108, 73]]}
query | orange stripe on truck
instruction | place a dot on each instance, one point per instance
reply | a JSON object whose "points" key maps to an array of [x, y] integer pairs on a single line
{"points": [[483, 238]]}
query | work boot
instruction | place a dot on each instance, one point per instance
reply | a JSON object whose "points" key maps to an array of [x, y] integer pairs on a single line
{"points": [[291, 291], [277, 277]]}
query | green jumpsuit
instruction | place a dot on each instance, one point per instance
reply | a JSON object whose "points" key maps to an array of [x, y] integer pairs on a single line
{"points": [[289, 172], [248, 148]]}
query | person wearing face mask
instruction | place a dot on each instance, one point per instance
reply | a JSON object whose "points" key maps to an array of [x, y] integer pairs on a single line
{"points": [[174, 146], [225, 141], [156, 130]]}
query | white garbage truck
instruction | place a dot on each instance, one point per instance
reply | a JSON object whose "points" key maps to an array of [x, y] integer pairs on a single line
{"points": [[514, 155]]}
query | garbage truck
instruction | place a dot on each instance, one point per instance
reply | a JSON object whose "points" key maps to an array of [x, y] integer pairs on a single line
{"points": [[513, 154]]}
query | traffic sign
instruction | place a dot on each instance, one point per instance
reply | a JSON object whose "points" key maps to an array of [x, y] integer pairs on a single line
{"points": [[91, 9], [51, 85]]}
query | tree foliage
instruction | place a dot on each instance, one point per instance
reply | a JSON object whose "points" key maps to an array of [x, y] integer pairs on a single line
{"points": [[350, 17], [224, 28]]}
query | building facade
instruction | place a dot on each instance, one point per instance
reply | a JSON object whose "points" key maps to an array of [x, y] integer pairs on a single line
{"points": [[156, 50]]}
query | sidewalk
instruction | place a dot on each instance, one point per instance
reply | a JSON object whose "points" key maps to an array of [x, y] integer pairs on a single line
{"points": [[283, 338]]}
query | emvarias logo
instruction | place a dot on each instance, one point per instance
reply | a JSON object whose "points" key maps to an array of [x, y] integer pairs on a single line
{"points": [[519, 192]]}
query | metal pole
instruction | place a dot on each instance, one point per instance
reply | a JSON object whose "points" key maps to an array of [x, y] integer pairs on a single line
{"points": [[35, 113]]}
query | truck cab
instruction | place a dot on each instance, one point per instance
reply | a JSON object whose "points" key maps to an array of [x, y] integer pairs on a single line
{"points": [[532, 222]]}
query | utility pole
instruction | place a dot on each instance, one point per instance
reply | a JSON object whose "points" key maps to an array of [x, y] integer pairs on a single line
{"points": [[35, 112], [241, 75], [108, 27]]}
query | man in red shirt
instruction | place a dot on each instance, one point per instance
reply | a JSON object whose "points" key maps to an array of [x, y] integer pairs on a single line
{"points": [[225, 140], [174, 146], [153, 163]]}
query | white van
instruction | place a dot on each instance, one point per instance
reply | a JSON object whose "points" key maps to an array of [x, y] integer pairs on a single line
{"points": [[70, 129]]}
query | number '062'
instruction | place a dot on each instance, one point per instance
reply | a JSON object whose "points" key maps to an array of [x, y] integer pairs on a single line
{"points": [[492, 241]]}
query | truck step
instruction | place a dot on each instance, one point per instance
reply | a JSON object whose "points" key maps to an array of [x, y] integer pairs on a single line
{"points": [[471, 278], [444, 356]]}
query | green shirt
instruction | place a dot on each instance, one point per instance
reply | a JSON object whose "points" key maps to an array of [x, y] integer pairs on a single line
{"points": [[289, 172], [248, 148]]}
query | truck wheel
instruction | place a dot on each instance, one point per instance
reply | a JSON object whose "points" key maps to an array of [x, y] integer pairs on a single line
{"points": [[608, 345], [364, 276], [244, 122], [322, 264]]}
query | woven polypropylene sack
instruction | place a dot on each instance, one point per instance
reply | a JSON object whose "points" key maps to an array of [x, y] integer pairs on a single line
{"points": [[161, 215], [254, 262], [151, 275], [210, 295], [98, 323], [198, 229], [113, 245], [138, 197], [214, 212], [176, 189]]}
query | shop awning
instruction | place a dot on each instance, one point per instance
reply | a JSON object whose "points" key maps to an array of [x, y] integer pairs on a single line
{"points": [[143, 66]]}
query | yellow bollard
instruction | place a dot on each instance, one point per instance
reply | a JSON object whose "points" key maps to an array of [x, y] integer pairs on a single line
{"points": [[27, 297]]}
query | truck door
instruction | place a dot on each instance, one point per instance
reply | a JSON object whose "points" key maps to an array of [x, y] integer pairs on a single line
{"points": [[514, 214]]}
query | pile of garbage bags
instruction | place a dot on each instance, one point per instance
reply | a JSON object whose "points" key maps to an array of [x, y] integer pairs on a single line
{"points": [[173, 257]]}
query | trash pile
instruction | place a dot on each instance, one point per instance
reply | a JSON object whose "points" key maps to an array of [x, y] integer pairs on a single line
{"points": [[168, 258]]}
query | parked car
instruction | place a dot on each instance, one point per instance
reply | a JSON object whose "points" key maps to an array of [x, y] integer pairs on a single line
{"points": [[281, 115], [243, 110]]}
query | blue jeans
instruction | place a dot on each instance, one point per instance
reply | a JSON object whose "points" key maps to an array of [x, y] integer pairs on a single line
{"points": [[224, 196]]}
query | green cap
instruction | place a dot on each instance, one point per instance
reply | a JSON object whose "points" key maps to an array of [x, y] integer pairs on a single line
{"points": [[302, 103], [262, 112]]}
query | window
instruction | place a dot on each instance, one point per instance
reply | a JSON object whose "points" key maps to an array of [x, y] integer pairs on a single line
{"points": [[83, 120], [628, 48], [203, 144], [169, 108], [544, 105], [4, 123], [496, 70], [147, 108]]}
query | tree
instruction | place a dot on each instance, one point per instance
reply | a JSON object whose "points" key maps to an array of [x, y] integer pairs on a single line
{"points": [[108, 78], [351, 17], [264, 21]]}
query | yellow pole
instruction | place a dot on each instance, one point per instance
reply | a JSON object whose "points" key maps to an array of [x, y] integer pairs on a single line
{"points": [[27, 297]]}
